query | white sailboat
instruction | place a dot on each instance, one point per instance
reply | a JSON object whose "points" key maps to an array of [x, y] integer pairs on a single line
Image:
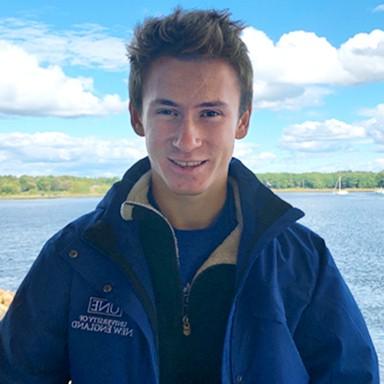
{"points": [[380, 190], [338, 190]]}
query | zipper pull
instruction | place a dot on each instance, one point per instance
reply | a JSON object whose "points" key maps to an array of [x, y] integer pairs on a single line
{"points": [[186, 326], [185, 319]]}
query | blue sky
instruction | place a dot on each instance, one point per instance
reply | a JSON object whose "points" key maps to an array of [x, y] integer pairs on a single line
{"points": [[319, 93]]}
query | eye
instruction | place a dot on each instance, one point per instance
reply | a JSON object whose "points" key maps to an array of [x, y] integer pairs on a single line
{"points": [[167, 112], [210, 113]]}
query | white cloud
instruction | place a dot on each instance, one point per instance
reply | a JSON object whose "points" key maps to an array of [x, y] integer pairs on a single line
{"points": [[301, 68], [297, 58], [363, 56], [303, 58], [249, 153], [377, 112], [58, 153], [379, 8], [321, 136], [379, 163], [87, 45], [245, 148], [287, 75], [296, 71], [378, 135], [375, 124], [44, 153], [28, 88], [278, 96]]}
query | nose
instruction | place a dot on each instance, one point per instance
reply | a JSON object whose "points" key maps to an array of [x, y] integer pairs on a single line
{"points": [[187, 136]]}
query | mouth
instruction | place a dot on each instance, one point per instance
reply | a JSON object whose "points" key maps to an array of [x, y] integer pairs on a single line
{"points": [[188, 164]]}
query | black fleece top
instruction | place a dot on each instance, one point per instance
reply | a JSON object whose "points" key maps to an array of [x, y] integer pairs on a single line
{"points": [[189, 357]]}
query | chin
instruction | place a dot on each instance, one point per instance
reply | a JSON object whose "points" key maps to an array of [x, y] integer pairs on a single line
{"points": [[187, 191]]}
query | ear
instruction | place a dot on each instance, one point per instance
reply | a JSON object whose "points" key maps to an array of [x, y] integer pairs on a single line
{"points": [[136, 123], [243, 124]]}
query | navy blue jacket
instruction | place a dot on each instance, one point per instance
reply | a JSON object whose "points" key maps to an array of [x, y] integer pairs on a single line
{"points": [[85, 310]]}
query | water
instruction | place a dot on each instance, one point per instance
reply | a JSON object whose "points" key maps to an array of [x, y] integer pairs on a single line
{"points": [[25, 225], [353, 226]]}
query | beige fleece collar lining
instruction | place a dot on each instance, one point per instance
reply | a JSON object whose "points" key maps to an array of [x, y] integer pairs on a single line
{"points": [[225, 253]]}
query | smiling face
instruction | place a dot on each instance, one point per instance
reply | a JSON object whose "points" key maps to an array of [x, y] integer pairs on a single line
{"points": [[190, 120]]}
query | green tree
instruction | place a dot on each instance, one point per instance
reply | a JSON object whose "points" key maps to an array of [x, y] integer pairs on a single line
{"points": [[9, 185], [43, 184], [380, 179], [27, 183]]}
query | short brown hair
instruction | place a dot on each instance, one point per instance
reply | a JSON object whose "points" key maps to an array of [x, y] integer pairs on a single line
{"points": [[194, 34]]}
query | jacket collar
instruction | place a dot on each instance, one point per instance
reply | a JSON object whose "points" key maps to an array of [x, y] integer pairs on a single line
{"points": [[262, 210], [264, 213], [112, 201], [260, 205]]}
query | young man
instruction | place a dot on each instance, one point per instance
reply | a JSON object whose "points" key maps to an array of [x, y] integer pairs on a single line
{"points": [[189, 270]]}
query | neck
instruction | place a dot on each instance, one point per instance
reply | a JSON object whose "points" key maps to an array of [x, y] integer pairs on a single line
{"points": [[191, 212]]}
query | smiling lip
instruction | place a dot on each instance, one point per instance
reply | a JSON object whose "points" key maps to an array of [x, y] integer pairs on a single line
{"points": [[188, 164]]}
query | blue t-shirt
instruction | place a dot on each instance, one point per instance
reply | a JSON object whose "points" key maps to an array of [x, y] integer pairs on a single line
{"points": [[196, 245]]}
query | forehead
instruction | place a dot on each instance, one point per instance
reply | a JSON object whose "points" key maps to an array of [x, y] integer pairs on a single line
{"points": [[189, 79]]}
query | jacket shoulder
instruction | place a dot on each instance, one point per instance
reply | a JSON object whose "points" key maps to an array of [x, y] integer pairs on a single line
{"points": [[300, 246]]}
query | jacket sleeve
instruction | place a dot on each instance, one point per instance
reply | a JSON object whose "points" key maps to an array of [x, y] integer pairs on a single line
{"points": [[33, 332], [332, 336]]}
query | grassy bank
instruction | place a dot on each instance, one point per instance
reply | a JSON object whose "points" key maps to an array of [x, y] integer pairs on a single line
{"points": [[323, 190], [35, 196], [30, 187], [60, 195]]}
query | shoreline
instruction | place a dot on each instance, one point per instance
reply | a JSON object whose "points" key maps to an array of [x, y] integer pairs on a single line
{"points": [[325, 190], [100, 195], [50, 197]]}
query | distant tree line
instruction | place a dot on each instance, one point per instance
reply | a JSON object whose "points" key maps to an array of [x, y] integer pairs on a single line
{"points": [[317, 180], [71, 185], [53, 185]]}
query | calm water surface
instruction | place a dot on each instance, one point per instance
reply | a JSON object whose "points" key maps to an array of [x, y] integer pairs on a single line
{"points": [[353, 226]]}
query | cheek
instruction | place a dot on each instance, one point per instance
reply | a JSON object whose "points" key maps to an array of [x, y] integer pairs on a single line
{"points": [[224, 140], [157, 134], [152, 140], [156, 149]]}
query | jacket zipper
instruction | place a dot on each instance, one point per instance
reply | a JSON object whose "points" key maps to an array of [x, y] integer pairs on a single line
{"points": [[185, 319], [186, 323]]}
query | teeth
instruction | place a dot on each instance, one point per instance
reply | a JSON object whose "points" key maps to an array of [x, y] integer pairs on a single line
{"points": [[188, 163]]}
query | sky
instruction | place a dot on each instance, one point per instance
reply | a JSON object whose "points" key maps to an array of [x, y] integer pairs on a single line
{"points": [[318, 87]]}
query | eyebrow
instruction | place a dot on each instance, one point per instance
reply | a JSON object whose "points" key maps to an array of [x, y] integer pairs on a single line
{"points": [[165, 102], [211, 104], [205, 104]]}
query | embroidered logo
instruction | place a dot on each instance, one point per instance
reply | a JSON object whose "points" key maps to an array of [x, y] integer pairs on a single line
{"points": [[98, 306], [91, 323]]}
